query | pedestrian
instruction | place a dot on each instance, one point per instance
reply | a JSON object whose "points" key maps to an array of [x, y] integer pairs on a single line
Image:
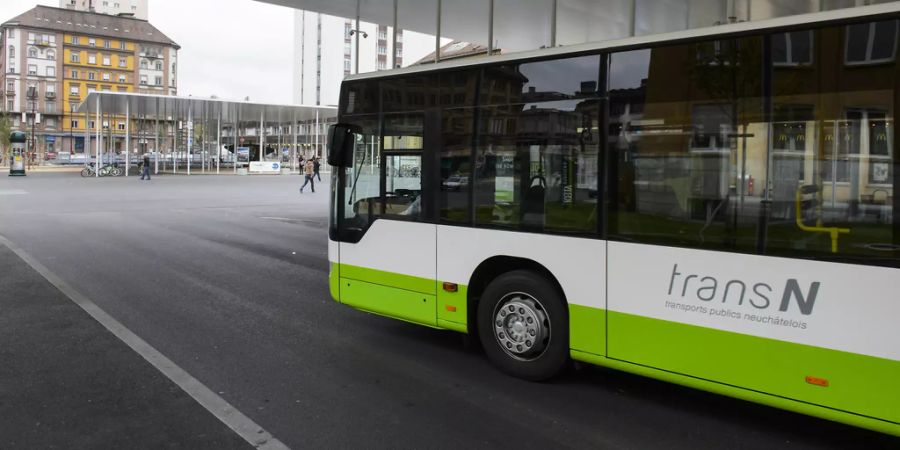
{"points": [[309, 170], [316, 168], [145, 169]]}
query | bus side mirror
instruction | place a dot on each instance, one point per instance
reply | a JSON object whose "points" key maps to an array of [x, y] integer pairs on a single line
{"points": [[341, 139]]}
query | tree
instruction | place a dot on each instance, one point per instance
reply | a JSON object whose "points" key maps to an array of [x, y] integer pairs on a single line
{"points": [[5, 130]]}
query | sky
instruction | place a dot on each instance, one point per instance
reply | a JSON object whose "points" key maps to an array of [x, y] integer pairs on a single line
{"points": [[229, 48]]}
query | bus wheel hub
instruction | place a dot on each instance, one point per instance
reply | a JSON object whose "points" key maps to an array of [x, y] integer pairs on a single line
{"points": [[521, 326]]}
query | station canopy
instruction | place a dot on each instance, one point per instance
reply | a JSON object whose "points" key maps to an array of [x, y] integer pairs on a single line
{"points": [[165, 107]]}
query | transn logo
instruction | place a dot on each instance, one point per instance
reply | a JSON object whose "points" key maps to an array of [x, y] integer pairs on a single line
{"points": [[757, 294]]}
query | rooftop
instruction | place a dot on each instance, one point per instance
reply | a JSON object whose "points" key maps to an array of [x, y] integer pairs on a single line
{"points": [[90, 23]]}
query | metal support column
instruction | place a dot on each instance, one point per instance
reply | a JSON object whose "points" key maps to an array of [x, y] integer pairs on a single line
{"points": [[218, 139], [99, 126], [553, 24], [490, 27], [294, 148], [394, 39], [262, 133], [156, 141], [190, 138], [236, 137], [356, 57], [127, 136], [437, 34]]}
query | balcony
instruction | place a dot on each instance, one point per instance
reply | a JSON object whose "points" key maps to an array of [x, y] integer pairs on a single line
{"points": [[50, 95], [10, 92]]}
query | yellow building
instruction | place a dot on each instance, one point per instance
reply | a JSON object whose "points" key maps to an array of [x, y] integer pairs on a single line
{"points": [[63, 55]]}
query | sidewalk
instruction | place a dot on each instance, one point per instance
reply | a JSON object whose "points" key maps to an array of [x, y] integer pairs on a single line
{"points": [[66, 382]]}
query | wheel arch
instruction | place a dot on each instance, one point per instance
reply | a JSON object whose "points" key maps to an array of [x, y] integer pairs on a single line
{"points": [[493, 267]]}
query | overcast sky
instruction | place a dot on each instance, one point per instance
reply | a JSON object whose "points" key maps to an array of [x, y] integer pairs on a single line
{"points": [[229, 48]]}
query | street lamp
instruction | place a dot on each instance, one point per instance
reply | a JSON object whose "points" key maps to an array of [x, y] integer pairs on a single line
{"points": [[32, 96]]}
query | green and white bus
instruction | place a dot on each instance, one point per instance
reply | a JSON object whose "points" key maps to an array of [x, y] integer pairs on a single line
{"points": [[716, 208]]}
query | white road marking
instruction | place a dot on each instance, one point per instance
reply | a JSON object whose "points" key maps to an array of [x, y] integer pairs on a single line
{"points": [[13, 192], [221, 409]]}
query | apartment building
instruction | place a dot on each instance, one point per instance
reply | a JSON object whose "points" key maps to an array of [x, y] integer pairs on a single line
{"points": [[132, 8], [51, 58]]}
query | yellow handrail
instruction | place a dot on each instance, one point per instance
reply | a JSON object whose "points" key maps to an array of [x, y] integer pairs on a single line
{"points": [[834, 232]]}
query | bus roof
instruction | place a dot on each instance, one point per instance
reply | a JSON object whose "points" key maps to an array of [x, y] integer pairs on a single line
{"points": [[644, 41]]}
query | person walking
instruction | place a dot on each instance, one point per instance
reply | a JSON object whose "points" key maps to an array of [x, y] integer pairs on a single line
{"points": [[309, 170], [316, 168], [145, 169]]}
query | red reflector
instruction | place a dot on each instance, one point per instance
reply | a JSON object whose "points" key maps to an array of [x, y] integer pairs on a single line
{"points": [[817, 381], [450, 287], [451, 308]]}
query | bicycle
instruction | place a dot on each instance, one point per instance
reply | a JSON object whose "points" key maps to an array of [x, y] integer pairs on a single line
{"points": [[112, 170]]}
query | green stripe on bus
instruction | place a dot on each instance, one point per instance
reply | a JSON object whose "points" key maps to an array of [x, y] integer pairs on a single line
{"points": [[334, 281], [857, 383], [880, 426], [395, 280]]}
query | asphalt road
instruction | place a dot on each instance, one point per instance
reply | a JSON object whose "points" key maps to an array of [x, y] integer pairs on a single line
{"points": [[227, 277]]}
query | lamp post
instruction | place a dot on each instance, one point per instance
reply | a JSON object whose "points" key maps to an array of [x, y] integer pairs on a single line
{"points": [[32, 96]]}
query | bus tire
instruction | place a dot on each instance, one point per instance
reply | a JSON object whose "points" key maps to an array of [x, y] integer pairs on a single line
{"points": [[523, 325]]}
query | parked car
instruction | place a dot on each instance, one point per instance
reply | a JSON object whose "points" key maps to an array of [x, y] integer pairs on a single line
{"points": [[455, 183]]}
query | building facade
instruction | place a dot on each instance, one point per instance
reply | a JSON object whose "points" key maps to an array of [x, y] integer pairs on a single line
{"points": [[325, 52], [132, 8], [51, 58]]}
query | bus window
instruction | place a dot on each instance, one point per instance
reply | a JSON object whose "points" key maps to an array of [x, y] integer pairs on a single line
{"points": [[536, 160]]}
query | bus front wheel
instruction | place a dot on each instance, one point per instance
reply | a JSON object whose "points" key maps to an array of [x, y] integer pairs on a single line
{"points": [[523, 325]]}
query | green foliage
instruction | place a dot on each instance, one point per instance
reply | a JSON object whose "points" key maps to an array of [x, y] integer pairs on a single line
{"points": [[5, 129]]}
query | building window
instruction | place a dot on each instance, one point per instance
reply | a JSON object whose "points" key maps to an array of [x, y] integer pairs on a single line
{"points": [[12, 52], [49, 108], [11, 33], [75, 57], [871, 43], [159, 65], [51, 55], [106, 60], [50, 88], [123, 79], [73, 39], [73, 90], [92, 76], [51, 71], [123, 61], [92, 59], [120, 126], [73, 123], [92, 42], [75, 74], [32, 52], [121, 45], [144, 64], [159, 81], [106, 77], [106, 44], [10, 86], [144, 80], [32, 69]]}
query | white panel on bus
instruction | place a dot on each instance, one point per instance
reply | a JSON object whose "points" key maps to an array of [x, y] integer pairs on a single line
{"points": [[577, 263], [395, 246], [846, 307]]}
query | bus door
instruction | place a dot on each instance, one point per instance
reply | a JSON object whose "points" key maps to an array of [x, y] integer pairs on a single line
{"points": [[387, 260]]}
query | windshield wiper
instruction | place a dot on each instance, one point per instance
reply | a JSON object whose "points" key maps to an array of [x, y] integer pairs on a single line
{"points": [[356, 179]]}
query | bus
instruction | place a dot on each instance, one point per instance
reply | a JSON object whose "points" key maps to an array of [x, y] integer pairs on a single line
{"points": [[715, 208]]}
